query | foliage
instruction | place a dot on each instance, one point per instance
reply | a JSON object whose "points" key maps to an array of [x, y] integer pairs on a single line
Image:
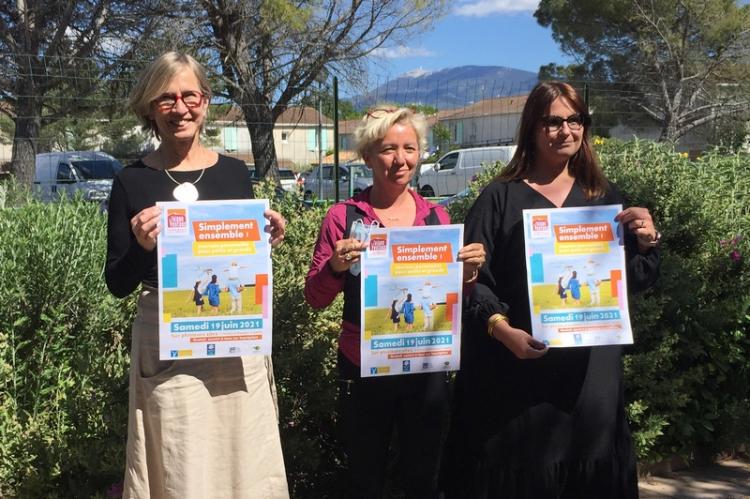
{"points": [[688, 374], [63, 354], [47, 65], [304, 354], [689, 368], [680, 63], [280, 48], [63, 339]]}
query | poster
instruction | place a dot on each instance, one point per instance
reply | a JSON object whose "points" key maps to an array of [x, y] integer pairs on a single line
{"points": [[215, 280], [411, 290], [575, 272]]}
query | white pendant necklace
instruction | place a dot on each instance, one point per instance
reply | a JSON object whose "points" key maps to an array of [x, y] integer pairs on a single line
{"points": [[185, 191]]}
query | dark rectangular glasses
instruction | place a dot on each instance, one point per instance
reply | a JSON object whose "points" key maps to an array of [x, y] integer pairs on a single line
{"points": [[554, 123]]}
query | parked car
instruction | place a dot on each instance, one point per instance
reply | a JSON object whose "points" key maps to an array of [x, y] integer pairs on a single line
{"points": [[454, 170], [288, 180], [71, 172], [359, 180]]}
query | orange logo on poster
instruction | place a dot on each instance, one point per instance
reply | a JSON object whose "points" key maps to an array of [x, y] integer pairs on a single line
{"points": [[378, 242], [540, 223], [176, 218]]}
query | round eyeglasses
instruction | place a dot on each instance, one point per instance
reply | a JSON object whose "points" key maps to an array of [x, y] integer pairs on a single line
{"points": [[167, 102], [554, 123]]}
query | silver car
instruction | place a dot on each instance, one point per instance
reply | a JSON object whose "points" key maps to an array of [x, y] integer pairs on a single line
{"points": [[353, 179], [70, 172]]}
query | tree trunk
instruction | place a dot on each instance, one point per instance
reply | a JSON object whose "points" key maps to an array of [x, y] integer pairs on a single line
{"points": [[669, 130], [260, 124], [26, 137]]}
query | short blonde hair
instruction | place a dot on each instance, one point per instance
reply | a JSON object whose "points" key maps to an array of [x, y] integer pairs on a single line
{"points": [[156, 78], [379, 119]]}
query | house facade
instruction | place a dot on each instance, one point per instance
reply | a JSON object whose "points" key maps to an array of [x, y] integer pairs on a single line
{"points": [[301, 136]]}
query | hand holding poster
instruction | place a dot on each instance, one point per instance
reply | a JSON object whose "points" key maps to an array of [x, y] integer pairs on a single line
{"points": [[215, 280], [576, 276], [411, 290]]}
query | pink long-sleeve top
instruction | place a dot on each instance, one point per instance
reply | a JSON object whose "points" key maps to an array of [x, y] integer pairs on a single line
{"points": [[323, 284]]}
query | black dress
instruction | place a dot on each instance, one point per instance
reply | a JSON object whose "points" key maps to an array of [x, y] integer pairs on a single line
{"points": [[551, 427]]}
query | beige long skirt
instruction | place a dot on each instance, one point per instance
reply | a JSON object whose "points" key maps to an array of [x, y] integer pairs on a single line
{"points": [[200, 428]]}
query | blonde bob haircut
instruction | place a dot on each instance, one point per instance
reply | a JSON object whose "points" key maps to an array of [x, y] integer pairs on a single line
{"points": [[156, 78], [379, 119]]}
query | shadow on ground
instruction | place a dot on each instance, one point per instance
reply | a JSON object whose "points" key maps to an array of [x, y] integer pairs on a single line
{"points": [[728, 479]]}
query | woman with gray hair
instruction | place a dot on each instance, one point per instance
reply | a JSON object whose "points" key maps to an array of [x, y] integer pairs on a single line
{"points": [[203, 427], [390, 141]]}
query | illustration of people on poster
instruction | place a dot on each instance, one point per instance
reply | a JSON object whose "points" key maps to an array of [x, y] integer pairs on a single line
{"points": [[411, 300], [215, 280], [576, 276]]}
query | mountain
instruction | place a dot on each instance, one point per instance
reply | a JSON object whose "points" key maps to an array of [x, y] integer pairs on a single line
{"points": [[450, 88]]}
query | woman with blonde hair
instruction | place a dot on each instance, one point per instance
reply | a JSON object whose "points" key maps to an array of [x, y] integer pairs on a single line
{"points": [[528, 421], [389, 140], [203, 428]]}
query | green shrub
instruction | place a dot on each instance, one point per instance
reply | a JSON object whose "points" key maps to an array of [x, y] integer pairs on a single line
{"points": [[64, 339], [688, 374], [63, 354], [689, 370], [304, 355]]}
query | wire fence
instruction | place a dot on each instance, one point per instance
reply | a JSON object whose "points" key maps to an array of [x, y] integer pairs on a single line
{"points": [[81, 104]]}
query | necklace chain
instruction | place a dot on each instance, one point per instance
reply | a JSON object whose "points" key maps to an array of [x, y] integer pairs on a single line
{"points": [[179, 183]]}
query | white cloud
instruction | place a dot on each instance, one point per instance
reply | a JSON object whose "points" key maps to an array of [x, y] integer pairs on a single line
{"points": [[401, 52], [487, 7]]}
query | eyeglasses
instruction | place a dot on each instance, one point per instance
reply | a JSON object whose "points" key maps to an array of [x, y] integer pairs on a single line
{"points": [[554, 123], [167, 102]]}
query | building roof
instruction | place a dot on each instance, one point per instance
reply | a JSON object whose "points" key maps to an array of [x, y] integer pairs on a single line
{"points": [[488, 107], [293, 115]]}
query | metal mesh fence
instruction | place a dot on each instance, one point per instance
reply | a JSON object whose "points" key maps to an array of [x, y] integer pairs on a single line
{"points": [[82, 105]]}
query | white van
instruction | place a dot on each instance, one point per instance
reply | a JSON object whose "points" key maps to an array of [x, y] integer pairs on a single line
{"points": [[454, 170], [66, 173]]}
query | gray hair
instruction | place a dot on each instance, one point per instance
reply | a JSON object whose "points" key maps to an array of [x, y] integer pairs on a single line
{"points": [[156, 78], [378, 120]]}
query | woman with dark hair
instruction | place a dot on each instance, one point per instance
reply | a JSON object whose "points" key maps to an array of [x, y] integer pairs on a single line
{"points": [[528, 421]]}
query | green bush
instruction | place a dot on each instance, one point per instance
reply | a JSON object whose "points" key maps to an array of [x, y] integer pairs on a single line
{"points": [[63, 354], [64, 339], [304, 355], [688, 374]]}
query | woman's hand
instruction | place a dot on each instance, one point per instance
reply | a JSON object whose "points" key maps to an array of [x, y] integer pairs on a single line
{"points": [[345, 254], [473, 256], [639, 221], [518, 341], [276, 227], [145, 227]]}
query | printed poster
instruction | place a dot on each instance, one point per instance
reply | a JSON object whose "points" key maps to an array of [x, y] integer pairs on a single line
{"points": [[215, 280], [576, 276], [411, 290]]}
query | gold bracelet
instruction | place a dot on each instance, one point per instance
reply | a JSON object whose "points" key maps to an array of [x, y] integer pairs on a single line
{"points": [[492, 322]]}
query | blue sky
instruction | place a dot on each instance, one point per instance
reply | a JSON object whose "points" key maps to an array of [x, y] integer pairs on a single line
{"points": [[484, 33]]}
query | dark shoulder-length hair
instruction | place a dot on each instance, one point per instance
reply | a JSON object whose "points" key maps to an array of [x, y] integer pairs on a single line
{"points": [[583, 165]]}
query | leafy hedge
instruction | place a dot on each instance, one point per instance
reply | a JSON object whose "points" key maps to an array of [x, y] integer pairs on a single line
{"points": [[63, 354], [64, 339], [688, 374]]}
